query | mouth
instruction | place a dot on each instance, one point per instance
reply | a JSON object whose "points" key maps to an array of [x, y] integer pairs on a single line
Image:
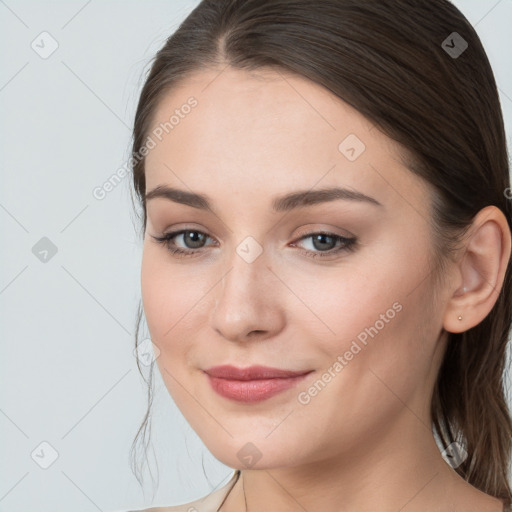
{"points": [[252, 384]]}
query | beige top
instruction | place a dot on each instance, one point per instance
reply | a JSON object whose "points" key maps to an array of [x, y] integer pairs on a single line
{"points": [[213, 501], [209, 503]]}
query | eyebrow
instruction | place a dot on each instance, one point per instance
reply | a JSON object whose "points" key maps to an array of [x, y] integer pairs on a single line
{"points": [[293, 201]]}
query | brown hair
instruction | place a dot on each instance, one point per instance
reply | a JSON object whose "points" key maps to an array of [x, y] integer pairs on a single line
{"points": [[387, 59]]}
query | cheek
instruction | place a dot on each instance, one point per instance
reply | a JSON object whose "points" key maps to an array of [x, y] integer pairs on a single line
{"points": [[165, 310], [162, 297], [360, 296], [174, 299], [377, 361], [374, 313], [152, 289]]}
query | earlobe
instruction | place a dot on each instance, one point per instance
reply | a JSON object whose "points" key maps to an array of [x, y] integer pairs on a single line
{"points": [[482, 270], [464, 290]]}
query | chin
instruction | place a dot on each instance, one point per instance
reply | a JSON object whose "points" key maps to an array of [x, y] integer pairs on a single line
{"points": [[260, 453]]}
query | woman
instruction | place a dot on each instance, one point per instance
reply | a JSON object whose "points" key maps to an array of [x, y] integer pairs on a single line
{"points": [[366, 374]]}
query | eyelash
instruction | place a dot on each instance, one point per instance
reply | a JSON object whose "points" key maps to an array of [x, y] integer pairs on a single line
{"points": [[165, 240]]}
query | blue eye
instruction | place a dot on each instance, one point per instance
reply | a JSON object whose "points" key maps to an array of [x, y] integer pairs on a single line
{"points": [[319, 240]]}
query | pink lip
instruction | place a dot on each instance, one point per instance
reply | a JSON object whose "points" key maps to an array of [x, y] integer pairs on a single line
{"points": [[252, 384]]}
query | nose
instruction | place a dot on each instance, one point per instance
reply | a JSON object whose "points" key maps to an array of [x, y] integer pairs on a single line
{"points": [[248, 301]]}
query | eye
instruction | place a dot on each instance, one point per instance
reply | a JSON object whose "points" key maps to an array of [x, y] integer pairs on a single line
{"points": [[324, 243], [194, 237]]}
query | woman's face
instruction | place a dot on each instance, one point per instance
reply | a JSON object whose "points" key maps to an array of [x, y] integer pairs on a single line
{"points": [[262, 286]]}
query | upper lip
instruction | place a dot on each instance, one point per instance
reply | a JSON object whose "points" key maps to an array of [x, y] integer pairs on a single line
{"points": [[252, 372]]}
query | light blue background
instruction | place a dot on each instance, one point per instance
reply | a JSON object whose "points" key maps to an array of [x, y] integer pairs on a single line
{"points": [[68, 372]]}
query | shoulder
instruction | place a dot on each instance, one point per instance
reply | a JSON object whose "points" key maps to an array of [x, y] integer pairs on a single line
{"points": [[209, 503]]}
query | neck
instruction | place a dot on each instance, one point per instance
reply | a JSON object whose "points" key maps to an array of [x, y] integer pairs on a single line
{"points": [[402, 470]]}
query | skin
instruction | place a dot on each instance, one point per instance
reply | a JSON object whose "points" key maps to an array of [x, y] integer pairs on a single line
{"points": [[364, 439]]}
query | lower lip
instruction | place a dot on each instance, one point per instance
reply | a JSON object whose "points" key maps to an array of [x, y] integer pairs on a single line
{"points": [[250, 391]]}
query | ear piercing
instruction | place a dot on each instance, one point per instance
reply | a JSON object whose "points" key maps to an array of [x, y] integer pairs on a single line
{"points": [[460, 318]]}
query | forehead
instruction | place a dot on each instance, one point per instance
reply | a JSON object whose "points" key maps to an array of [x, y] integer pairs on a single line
{"points": [[267, 130], [268, 107]]}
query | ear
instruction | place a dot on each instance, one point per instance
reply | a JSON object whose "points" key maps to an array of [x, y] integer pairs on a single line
{"points": [[481, 271]]}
